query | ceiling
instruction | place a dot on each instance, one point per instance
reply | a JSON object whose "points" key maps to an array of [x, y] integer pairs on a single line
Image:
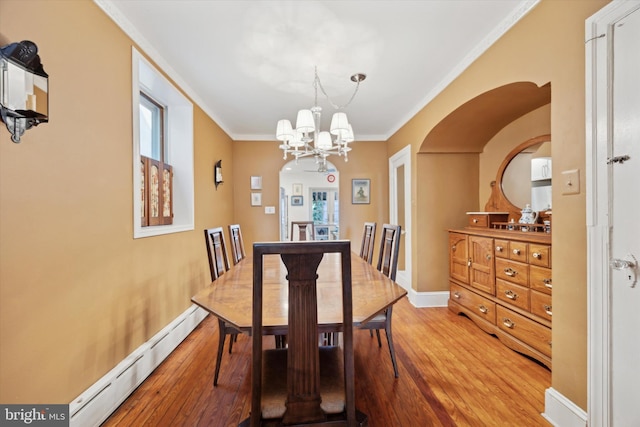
{"points": [[249, 63]]}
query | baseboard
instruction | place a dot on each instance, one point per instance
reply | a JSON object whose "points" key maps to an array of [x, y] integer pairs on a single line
{"points": [[95, 405], [562, 412], [428, 299]]}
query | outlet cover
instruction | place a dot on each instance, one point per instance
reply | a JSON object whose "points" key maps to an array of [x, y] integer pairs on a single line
{"points": [[571, 181]]}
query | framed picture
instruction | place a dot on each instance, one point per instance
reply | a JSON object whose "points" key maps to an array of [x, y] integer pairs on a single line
{"points": [[296, 200], [297, 189], [360, 191], [256, 199], [256, 183]]}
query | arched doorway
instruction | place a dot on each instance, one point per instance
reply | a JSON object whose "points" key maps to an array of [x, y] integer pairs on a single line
{"points": [[309, 195]]}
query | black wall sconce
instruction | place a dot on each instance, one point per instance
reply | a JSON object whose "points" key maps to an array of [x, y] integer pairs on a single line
{"points": [[217, 175], [24, 88]]}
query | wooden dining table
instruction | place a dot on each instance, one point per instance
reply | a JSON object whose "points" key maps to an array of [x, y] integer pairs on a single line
{"points": [[230, 296]]}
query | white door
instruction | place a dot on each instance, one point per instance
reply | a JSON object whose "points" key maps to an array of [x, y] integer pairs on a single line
{"points": [[613, 132], [625, 237], [400, 210]]}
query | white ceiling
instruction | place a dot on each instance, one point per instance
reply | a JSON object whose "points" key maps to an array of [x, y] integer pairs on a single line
{"points": [[249, 63]]}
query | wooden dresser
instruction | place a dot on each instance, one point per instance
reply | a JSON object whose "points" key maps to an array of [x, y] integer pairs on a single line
{"points": [[502, 281]]}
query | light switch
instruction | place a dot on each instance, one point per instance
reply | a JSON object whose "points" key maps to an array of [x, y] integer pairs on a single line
{"points": [[571, 181], [269, 210]]}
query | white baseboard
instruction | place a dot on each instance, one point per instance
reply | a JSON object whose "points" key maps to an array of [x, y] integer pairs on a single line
{"points": [[561, 412], [428, 299], [95, 405]]}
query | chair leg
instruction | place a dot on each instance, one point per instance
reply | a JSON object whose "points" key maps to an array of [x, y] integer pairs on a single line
{"points": [[387, 330], [222, 335], [233, 338], [378, 335]]}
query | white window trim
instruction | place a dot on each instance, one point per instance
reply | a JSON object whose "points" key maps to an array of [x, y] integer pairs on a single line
{"points": [[179, 133]]}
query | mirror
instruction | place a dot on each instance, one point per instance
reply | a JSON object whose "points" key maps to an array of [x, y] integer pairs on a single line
{"points": [[524, 177]]}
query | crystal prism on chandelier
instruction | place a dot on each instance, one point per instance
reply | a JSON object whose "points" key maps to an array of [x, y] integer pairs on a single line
{"points": [[307, 139]]}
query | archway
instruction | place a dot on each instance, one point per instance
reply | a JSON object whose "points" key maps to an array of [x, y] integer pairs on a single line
{"points": [[309, 195]]}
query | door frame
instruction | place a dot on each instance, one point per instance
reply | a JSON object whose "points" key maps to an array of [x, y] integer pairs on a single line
{"points": [[402, 158], [599, 131]]}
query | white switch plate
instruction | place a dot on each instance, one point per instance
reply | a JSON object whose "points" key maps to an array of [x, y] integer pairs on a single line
{"points": [[269, 210], [571, 182]]}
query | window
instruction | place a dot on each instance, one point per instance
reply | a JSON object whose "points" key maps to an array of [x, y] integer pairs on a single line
{"points": [[163, 184]]}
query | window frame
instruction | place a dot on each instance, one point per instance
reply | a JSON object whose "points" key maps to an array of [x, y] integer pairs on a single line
{"points": [[178, 122]]}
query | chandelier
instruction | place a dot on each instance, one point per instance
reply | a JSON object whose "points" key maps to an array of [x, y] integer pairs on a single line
{"points": [[307, 139]]}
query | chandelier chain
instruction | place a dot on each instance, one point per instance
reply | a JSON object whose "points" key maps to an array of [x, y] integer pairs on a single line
{"points": [[317, 83]]}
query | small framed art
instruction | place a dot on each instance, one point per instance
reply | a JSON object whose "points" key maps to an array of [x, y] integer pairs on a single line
{"points": [[256, 199], [296, 200], [296, 189], [256, 183], [360, 191]]}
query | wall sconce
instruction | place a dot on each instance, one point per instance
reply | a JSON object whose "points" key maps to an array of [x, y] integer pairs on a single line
{"points": [[24, 88], [217, 176]]}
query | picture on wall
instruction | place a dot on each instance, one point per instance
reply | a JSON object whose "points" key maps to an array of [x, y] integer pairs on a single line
{"points": [[296, 200], [256, 199], [360, 191], [297, 189]]}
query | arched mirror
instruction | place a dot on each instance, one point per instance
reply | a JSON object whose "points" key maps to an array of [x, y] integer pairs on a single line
{"points": [[524, 177], [307, 194]]}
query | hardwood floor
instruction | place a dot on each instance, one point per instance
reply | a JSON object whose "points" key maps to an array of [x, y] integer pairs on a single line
{"points": [[451, 374]]}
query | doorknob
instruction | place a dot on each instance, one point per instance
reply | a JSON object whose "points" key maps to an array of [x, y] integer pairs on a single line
{"points": [[629, 264]]}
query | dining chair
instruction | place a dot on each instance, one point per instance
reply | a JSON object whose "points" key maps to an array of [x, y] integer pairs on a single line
{"points": [[305, 228], [368, 239], [305, 383], [237, 244], [388, 265], [218, 265]]}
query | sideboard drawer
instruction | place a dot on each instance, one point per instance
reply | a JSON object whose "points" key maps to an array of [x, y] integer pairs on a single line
{"points": [[540, 255], [480, 306], [541, 305], [501, 248], [528, 331], [540, 279], [512, 271], [518, 251], [513, 294]]}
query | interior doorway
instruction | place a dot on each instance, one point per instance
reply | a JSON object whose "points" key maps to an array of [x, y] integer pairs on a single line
{"points": [[309, 195], [400, 210]]}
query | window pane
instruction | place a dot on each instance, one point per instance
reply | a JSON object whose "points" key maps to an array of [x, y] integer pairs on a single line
{"points": [[150, 128]]}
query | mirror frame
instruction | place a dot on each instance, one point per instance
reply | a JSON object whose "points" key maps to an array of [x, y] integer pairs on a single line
{"points": [[498, 202]]}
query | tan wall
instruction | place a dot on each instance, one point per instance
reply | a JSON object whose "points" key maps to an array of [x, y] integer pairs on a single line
{"points": [[77, 292], [547, 45], [263, 158]]}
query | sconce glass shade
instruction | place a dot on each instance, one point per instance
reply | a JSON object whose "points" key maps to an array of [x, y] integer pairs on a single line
{"points": [[339, 124], [305, 122], [24, 88], [324, 141], [284, 132]]}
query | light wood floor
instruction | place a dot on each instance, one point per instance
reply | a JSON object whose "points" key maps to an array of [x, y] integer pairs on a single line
{"points": [[451, 374]]}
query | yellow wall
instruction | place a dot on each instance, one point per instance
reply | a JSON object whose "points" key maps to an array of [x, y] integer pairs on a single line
{"points": [[263, 158], [77, 292], [547, 45]]}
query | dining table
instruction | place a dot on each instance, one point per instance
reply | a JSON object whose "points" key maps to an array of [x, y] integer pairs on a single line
{"points": [[229, 297]]}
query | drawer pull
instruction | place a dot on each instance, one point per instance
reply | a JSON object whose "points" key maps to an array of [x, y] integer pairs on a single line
{"points": [[508, 323], [537, 255], [516, 251], [499, 248], [547, 309], [483, 309], [475, 220], [510, 294], [510, 272], [547, 283], [456, 294]]}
